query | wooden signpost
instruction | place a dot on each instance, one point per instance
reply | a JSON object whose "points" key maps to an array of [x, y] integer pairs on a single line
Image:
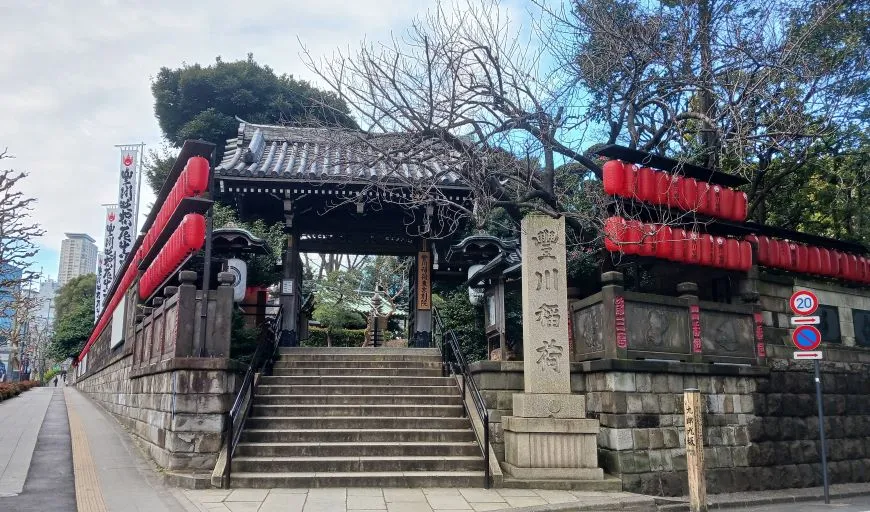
{"points": [[693, 411]]}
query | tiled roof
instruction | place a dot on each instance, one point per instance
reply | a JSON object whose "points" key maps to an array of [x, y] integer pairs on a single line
{"points": [[331, 155]]}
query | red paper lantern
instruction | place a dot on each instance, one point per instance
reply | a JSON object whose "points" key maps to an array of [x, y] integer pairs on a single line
{"points": [[720, 256], [679, 245], [648, 240], [706, 249], [614, 178], [647, 185], [692, 248], [664, 242], [740, 206], [726, 208], [690, 193], [732, 254], [714, 201], [745, 256], [633, 235], [614, 231], [663, 181]]}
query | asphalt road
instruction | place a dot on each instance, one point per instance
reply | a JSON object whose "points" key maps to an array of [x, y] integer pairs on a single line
{"points": [[858, 504]]}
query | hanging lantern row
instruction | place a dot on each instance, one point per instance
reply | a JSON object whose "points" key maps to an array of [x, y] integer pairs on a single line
{"points": [[805, 259], [675, 244], [192, 182], [660, 188], [186, 240]]}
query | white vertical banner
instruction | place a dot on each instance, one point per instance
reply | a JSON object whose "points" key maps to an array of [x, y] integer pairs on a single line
{"points": [[128, 201], [98, 294], [110, 252]]}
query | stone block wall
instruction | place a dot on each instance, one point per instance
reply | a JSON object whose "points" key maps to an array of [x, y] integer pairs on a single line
{"points": [[642, 437], [760, 428], [784, 443], [176, 410]]}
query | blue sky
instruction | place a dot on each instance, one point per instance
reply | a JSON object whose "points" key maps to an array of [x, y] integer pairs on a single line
{"points": [[76, 81]]}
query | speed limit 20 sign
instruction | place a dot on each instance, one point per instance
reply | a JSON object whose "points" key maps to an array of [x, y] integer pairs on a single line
{"points": [[804, 302]]}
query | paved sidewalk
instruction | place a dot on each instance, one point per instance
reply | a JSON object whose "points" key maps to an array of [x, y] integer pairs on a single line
{"points": [[408, 500], [50, 481], [124, 480], [20, 420]]}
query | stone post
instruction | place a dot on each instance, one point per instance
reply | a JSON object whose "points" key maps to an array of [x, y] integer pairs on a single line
{"points": [[548, 436], [688, 291], [184, 342], [614, 332]]}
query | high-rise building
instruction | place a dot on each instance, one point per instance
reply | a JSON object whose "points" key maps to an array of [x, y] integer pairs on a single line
{"points": [[78, 256]]}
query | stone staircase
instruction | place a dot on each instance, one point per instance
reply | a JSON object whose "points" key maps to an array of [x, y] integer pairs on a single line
{"points": [[357, 417]]}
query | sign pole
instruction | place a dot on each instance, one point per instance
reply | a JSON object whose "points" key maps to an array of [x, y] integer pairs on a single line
{"points": [[822, 431], [693, 413]]}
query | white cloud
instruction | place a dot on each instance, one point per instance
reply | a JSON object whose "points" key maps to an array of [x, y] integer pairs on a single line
{"points": [[75, 79]]}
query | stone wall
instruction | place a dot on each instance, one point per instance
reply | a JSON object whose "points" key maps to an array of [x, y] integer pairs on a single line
{"points": [[760, 427], [152, 382], [177, 411]]}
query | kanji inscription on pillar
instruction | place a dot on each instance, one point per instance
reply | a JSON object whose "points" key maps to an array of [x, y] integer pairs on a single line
{"points": [[545, 306]]}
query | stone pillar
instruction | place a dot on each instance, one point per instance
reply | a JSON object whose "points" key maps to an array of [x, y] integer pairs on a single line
{"points": [[614, 332], [548, 436], [688, 291]]}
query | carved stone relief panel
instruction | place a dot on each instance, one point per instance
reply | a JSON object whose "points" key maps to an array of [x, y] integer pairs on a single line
{"points": [[727, 334], [588, 335], [657, 328]]}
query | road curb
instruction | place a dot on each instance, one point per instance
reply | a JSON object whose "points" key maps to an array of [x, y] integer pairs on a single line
{"points": [[772, 500]]}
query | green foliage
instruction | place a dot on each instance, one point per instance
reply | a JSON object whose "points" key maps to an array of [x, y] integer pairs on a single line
{"points": [[74, 318], [157, 166], [262, 269], [338, 316], [464, 319], [243, 339], [202, 102], [79, 290], [317, 337]]}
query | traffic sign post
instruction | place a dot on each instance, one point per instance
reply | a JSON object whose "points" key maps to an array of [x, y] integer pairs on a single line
{"points": [[807, 338]]}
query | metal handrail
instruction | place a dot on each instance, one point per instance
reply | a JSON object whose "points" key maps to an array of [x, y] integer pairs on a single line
{"points": [[262, 360], [453, 361]]}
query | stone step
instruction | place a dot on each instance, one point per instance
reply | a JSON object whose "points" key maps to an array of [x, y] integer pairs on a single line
{"points": [[358, 449], [334, 363], [350, 372], [357, 380], [264, 389], [274, 399], [361, 422], [359, 435], [413, 479], [386, 410], [353, 464]]}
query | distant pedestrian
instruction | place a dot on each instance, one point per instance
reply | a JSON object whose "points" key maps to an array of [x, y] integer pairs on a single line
{"points": [[55, 382]]}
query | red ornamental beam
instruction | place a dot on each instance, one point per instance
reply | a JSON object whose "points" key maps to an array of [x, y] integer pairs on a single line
{"points": [[186, 240]]}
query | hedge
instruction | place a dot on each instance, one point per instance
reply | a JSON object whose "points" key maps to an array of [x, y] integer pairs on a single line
{"points": [[340, 337], [13, 389]]}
